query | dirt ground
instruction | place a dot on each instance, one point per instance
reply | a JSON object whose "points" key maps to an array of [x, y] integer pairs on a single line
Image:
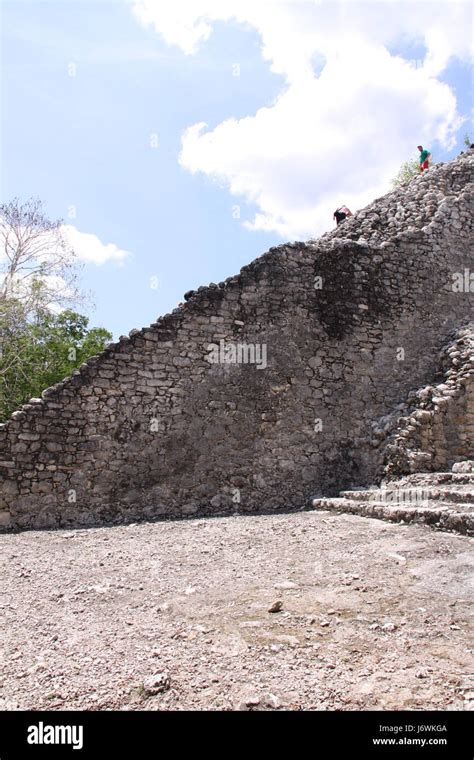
{"points": [[174, 615]]}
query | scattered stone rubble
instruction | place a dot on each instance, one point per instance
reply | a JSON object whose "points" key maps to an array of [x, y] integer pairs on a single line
{"points": [[174, 616]]}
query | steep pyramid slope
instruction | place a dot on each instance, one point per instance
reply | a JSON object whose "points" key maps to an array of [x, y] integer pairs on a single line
{"points": [[261, 391]]}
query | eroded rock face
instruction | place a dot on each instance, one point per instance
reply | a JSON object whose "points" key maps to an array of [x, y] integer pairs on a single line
{"points": [[262, 391]]}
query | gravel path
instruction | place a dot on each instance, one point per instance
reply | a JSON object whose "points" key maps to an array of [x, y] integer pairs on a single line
{"points": [[174, 615]]}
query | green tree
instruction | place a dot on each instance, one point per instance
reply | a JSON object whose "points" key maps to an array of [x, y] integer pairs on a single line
{"points": [[407, 171], [35, 354], [42, 340]]}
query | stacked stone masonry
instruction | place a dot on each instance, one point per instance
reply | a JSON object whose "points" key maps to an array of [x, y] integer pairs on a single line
{"points": [[351, 323], [438, 429], [442, 500]]}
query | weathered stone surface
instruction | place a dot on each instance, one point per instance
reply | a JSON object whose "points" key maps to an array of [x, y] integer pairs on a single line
{"points": [[156, 684], [317, 348], [443, 500], [438, 429], [464, 467]]}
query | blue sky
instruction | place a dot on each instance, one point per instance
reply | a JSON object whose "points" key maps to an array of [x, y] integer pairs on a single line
{"points": [[266, 119]]}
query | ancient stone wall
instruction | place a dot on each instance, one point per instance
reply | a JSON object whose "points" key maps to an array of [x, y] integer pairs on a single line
{"points": [[173, 421], [438, 429]]}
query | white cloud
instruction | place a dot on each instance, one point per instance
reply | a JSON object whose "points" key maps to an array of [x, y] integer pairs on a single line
{"points": [[89, 248], [335, 137], [49, 256]]}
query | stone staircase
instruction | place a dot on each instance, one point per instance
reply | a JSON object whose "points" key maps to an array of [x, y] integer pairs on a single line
{"points": [[444, 500]]}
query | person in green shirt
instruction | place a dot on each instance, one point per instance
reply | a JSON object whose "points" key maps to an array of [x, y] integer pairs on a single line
{"points": [[424, 158]]}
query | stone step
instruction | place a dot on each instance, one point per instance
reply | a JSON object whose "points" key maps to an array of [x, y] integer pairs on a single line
{"points": [[443, 516], [401, 494], [433, 478], [464, 467], [340, 503]]}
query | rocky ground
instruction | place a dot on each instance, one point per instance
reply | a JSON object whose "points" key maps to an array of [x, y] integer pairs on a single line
{"points": [[175, 615]]}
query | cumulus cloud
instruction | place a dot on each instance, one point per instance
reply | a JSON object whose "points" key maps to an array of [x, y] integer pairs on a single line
{"points": [[335, 135], [90, 249]]}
